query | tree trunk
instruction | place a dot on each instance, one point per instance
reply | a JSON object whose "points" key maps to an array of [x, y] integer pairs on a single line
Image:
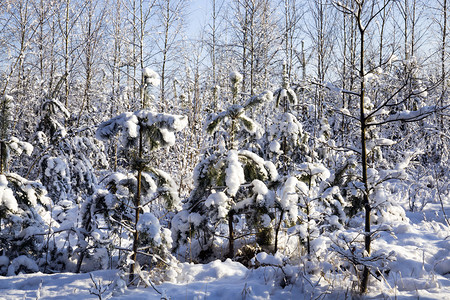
{"points": [[362, 119], [277, 230], [230, 234], [443, 54], [137, 203]]}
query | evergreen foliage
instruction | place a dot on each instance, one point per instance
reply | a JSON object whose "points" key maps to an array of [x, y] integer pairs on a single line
{"points": [[314, 172]]}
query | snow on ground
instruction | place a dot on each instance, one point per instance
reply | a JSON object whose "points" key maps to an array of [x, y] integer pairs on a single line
{"points": [[421, 270], [216, 280]]}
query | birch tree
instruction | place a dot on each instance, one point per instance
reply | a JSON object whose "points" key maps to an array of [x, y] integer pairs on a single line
{"points": [[377, 110]]}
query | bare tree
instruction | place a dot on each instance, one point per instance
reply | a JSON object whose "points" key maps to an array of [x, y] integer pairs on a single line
{"points": [[444, 55], [171, 22], [255, 41], [322, 35], [213, 43], [92, 25], [293, 15], [364, 13], [18, 29], [117, 33], [68, 18]]}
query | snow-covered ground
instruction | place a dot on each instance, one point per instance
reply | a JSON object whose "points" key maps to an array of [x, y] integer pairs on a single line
{"points": [[420, 270]]}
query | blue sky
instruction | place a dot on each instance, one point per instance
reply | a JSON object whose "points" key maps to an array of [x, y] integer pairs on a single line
{"points": [[199, 12]]}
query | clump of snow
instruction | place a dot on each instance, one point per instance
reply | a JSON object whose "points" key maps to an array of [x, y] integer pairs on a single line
{"points": [[130, 124], [264, 97], [316, 169], [167, 237], [384, 142], [320, 245], [275, 147], [259, 187], [265, 221], [272, 170], [31, 195], [249, 125], [4, 263], [8, 98], [290, 196], [55, 103], [168, 187], [18, 146], [234, 173], [212, 271], [55, 165], [286, 127], [219, 200], [23, 263], [7, 198], [443, 266], [196, 218], [236, 77], [149, 224], [151, 77], [269, 259], [267, 168], [407, 115]]}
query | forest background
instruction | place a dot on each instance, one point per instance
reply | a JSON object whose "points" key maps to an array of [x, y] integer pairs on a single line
{"points": [[204, 130]]}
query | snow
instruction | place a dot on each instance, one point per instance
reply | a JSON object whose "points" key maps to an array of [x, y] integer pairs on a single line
{"points": [[216, 280], [149, 224], [384, 142], [151, 77], [24, 262], [249, 125], [130, 124], [275, 147], [169, 187], [268, 259], [4, 263], [264, 97], [236, 77], [195, 218], [420, 270], [234, 173], [7, 198], [289, 197], [259, 187], [443, 266], [411, 115], [314, 207], [8, 98], [220, 200], [55, 165], [266, 167], [315, 169], [19, 146]]}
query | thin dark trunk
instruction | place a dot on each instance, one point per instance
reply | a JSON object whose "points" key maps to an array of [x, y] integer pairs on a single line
{"points": [[406, 29], [66, 55], [164, 61], [230, 234], [367, 238], [308, 236], [277, 230], [137, 203], [1, 157], [443, 54]]}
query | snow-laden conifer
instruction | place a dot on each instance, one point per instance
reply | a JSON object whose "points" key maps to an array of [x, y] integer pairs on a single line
{"points": [[230, 187], [140, 132], [26, 220]]}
